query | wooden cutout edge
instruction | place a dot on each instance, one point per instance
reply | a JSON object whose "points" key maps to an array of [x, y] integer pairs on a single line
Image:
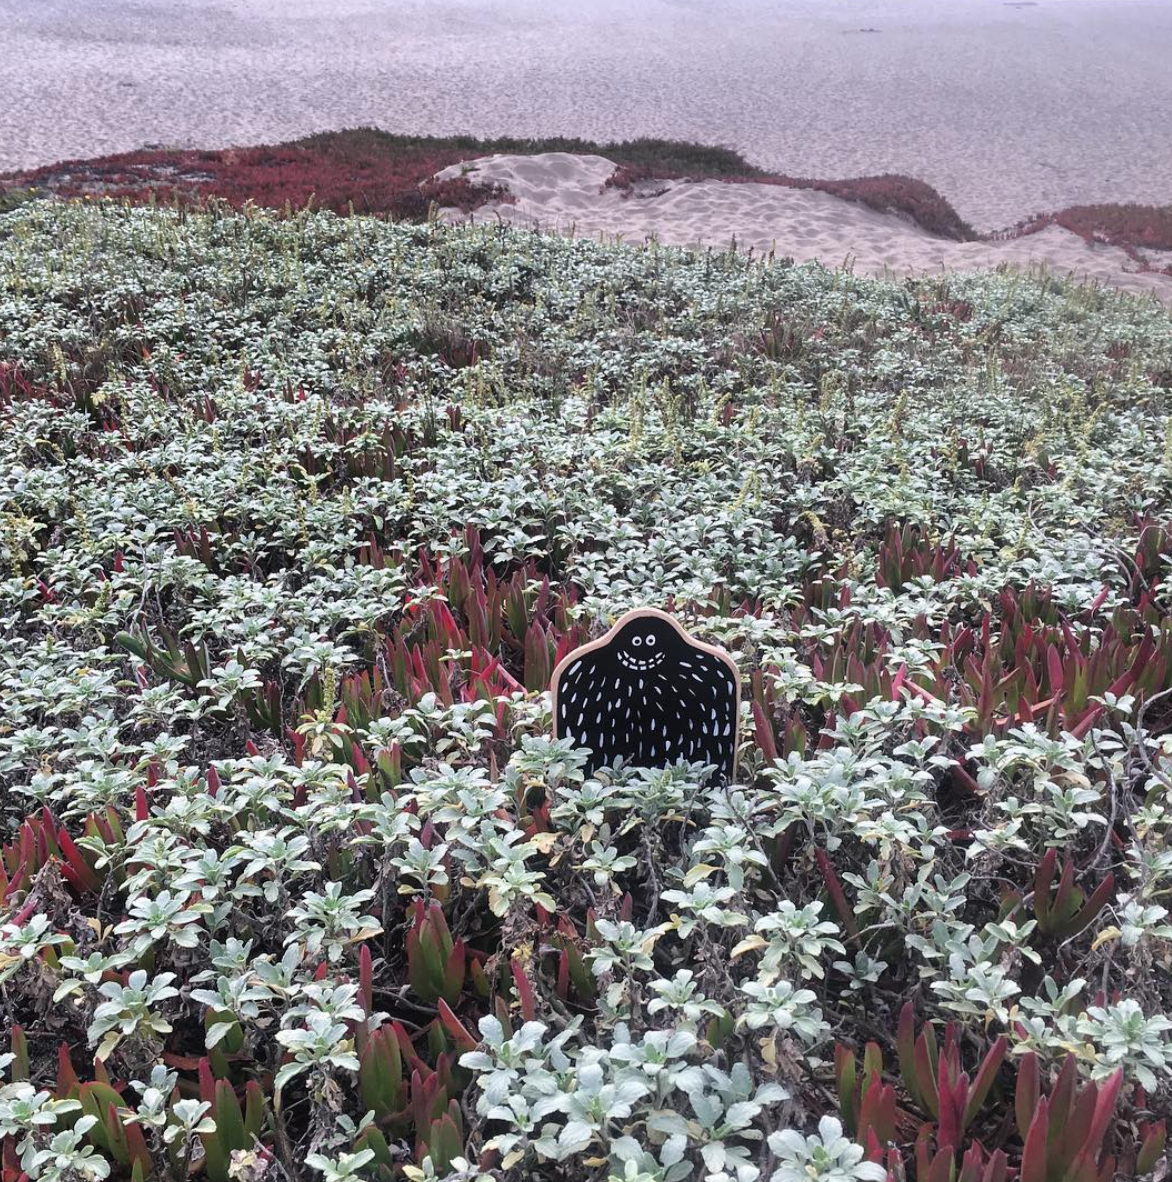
{"points": [[653, 613]]}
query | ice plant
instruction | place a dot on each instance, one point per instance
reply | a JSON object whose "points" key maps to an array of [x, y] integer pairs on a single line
{"points": [[297, 514], [435, 962]]}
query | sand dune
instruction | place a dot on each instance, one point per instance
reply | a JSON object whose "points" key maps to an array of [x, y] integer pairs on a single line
{"points": [[567, 194], [1005, 108]]}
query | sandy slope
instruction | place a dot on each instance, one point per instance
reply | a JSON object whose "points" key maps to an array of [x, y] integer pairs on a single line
{"points": [[567, 194]]}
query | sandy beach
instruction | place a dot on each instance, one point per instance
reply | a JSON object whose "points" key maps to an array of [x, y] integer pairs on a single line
{"points": [[1006, 108]]}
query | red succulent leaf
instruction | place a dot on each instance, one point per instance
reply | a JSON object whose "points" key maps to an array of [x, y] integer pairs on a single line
{"points": [[983, 1081], [464, 1040], [906, 1044], [845, 1081], [1033, 1157], [1151, 1148], [525, 992]]}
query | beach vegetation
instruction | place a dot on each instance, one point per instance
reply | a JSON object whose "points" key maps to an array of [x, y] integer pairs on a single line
{"points": [[297, 515]]}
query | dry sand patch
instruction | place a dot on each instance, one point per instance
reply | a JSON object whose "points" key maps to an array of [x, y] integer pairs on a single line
{"points": [[567, 194]]}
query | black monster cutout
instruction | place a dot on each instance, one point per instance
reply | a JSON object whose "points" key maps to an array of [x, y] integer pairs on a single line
{"points": [[651, 694]]}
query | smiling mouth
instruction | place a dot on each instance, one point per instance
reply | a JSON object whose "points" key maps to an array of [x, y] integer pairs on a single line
{"points": [[629, 661]]}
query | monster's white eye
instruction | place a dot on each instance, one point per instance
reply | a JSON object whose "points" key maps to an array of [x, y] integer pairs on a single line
{"points": [[651, 641], [637, 640]]}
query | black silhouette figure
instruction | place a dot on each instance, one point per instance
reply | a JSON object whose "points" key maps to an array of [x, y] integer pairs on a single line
{"points": [[650, 694]]}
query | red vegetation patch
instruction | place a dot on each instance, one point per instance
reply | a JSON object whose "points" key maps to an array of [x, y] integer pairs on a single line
{"points": [[901, 195], [374, 172], [1146, 227], [336, 173], [1130, 227], [890, 193]]}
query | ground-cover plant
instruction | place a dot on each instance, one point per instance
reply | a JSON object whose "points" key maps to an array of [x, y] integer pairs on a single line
{"points": [[374, 172], [370, 171], [363, 170], [342, 173], [297, 515]]}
